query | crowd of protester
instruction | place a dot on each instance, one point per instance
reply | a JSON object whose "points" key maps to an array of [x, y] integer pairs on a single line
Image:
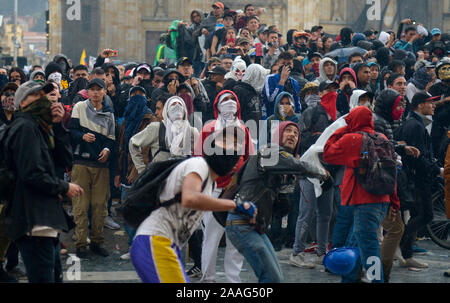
{"points": [[79, 137]]}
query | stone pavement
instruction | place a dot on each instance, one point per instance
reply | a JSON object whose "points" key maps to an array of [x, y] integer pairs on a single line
{"points": [[114, 270]]}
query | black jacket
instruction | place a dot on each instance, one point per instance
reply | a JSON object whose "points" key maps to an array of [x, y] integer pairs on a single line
{"points": [[268, 186], [424, 169], [211, 90], [36, 200], [248, 99]]}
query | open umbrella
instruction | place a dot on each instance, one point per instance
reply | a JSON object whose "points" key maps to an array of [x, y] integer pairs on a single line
{"points": [[342, 54]]}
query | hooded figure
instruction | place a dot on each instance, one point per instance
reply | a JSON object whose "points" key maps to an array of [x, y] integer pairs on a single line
{"points": [[173, 137], [255, 74], [227, 113], [418, 82], [384, 112], [343, 100], [158, 91], [354, 99], [280, 114], [65, 68], [237, 70], [250, 104], [323, 77], [136, 118], [35, 73]]}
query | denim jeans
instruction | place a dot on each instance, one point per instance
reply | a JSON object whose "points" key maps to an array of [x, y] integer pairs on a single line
{"points": [[257, 250], [198, 68], [310, 206], [41, 256], [343, 227], [367, 220]]}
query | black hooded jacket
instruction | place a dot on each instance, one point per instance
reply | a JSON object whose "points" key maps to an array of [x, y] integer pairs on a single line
{"points": [[248, 98], [36, 200]]}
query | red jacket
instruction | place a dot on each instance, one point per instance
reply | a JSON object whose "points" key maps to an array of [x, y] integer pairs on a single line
{"points": [[209, 128], [343, 148]]}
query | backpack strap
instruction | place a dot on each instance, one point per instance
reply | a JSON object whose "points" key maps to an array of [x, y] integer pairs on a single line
{"points": [[162, 140]]}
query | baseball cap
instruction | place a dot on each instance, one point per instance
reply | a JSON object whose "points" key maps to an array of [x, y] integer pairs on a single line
{"points": [[144, 66], [326, 84], [422, 97], [98, 82], [182, 60], [435, 31], [242, 40], [302, 34], [9, 86], [135, 88], [218, 70], [28, 88], [219, 5]]}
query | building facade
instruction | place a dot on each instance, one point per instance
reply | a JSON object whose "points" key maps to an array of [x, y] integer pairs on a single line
{"points": [[133, 27]]}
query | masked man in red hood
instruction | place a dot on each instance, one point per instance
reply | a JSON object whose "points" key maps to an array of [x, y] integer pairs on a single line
{"points": [[348, 81], [267, 179], [227, 111], [344, 148]]}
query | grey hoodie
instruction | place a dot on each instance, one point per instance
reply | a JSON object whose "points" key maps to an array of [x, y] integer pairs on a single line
{"points": [[322, 76]]}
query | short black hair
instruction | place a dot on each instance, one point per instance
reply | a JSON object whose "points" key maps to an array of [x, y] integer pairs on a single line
{"points": [[272, 32], [98, 71], [253, 17], [410, 28], [356, 54], [247, 6], [80, 67], [285, 56], [396, 64], [159, 73], [162, 98], [390, 81]]}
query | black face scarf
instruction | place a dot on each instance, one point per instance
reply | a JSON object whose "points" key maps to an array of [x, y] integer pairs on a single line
{"points": [[222, 164]]}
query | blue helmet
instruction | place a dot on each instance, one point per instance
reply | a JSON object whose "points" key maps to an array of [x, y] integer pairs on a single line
{"points": [[341, 261]]}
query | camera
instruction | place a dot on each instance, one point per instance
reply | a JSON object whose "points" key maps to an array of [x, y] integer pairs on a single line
{"points": [[232, 50]]}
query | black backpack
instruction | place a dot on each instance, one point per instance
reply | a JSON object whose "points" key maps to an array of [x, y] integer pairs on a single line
{"points": [[7, 175], [377, 170], [143, 196]]}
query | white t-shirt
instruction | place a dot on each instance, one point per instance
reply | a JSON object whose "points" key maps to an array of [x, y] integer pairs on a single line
{"points": [[177, 222]]}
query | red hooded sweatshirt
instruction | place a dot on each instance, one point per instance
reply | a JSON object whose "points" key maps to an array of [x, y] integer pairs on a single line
{"points": [[343, 148], [209, 128]]}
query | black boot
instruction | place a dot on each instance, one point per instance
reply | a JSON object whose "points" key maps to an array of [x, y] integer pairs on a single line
{"points": [[5, 277]]}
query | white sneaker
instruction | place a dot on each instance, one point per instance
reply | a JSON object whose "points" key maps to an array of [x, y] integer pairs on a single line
{"points": [[125, 256], [109, 223], [299, 261]]}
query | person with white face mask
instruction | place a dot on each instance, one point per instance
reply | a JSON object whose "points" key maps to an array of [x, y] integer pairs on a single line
{"points": [[237, 70], [227, 111], [177, 136]]}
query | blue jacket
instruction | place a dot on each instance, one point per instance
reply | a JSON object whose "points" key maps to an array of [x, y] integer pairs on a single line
{"points": [[276, 117], [272, 89], [406, 46]]}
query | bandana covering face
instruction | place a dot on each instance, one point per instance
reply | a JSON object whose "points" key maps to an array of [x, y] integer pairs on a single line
{"points": [[177, 127], [57, 77], [227, 112], [40, 111], [328, 102], [397, 114], [312, 100], [8, 102], [176, 112]]}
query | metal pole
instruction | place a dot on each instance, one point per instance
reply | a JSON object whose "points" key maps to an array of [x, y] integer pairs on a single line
{"points": [[15, 33]]}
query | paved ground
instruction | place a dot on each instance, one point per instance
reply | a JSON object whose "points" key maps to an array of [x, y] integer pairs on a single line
{"points": [[112, 269]]}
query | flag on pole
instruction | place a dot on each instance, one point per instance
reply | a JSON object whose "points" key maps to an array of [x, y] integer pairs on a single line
{"points": [[83, 58]]}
